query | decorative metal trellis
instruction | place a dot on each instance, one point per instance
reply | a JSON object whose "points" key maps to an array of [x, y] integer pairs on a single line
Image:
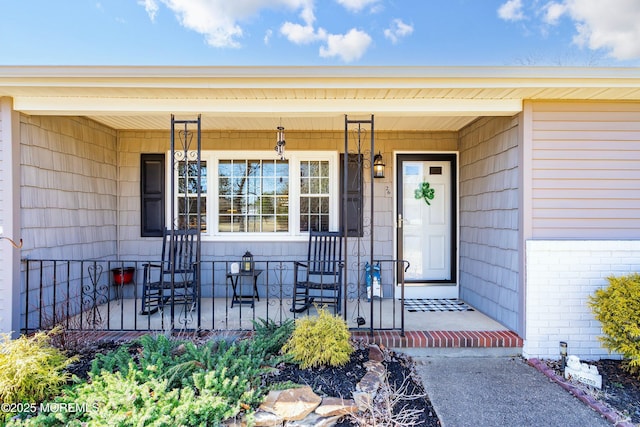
{"points": [[186, 192], [356, 133]]}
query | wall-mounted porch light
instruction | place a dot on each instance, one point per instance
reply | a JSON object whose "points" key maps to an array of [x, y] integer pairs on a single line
{"points": [[378, 166], [280, 143]]}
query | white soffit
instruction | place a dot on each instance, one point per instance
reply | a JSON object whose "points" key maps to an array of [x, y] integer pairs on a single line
{"points": [[401, 98], [315, 123], [118, 106]]}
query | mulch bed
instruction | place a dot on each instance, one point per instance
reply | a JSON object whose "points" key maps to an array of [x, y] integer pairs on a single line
{"points": [[342, 381], [328, 381], [86, 354], [620, 390]]}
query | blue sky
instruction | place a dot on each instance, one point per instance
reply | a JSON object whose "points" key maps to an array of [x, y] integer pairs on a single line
{"points": [[321, 32]]}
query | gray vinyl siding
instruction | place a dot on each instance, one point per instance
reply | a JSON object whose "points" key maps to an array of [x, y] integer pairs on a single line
{"points": [[585, 174], [489, 201], [69, 188], [132, 143]]}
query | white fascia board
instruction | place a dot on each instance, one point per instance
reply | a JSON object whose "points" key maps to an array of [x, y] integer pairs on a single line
{"points": [[314, 77], [119, 106], [123, 73]]}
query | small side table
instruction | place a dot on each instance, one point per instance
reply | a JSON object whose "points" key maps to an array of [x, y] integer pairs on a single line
{"points": [[238, 297]]}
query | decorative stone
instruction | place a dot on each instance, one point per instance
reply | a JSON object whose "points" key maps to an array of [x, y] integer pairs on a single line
{"points": [[291, 404], [583, 372], [314, 420], [267, 419], [332, 406], [370, 383], [363, 400], [368, 386], [375, 354]]}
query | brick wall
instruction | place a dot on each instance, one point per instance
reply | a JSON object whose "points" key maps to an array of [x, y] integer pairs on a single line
{"points": [[561, 275], [489, 248]]}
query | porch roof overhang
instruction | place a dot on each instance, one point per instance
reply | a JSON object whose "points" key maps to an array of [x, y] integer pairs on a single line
{"points": [[306, 98]]}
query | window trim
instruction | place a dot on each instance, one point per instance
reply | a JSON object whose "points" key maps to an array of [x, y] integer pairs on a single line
{"points": [[212, 157]]}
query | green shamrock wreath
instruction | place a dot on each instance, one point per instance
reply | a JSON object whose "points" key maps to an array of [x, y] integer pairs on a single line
{"points": [[425, 192]]}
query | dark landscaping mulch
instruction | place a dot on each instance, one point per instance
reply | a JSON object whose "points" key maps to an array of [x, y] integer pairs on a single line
{"points": [[342, 381], [86, 354], [620, 390], [327, 381]]}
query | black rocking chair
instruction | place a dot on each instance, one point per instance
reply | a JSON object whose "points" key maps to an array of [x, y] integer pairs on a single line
{"points": [[173, 280], [319, 279]]}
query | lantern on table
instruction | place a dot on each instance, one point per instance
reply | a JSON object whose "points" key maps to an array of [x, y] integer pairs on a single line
{"points": [[247, 262]]}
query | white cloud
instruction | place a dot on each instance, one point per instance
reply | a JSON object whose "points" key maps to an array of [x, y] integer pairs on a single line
{"points": [[397, 30], [151, 7], [349, 47], [267, 37], [302, 34], [553, 12], [356, 5], [511, 11], [613, 25], [219, 20]]}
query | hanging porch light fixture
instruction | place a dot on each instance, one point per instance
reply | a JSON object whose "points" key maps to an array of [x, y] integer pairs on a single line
{"points": [[280, 143]]}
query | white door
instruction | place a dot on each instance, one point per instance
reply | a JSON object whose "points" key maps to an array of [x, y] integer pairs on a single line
{"points": [[426, 224]]}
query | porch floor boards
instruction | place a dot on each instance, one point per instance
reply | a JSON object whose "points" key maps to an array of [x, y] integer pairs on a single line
{"points": [[466, 329]]}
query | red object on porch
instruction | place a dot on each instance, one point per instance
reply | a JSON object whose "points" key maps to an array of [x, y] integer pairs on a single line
{"points": [[123, 276]]}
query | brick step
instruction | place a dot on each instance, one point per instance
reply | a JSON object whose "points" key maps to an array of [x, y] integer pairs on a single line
{"points": [[443, 339]]}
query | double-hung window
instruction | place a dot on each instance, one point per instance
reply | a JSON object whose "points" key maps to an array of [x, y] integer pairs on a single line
{"points": [[253, 194], [187, 194]]}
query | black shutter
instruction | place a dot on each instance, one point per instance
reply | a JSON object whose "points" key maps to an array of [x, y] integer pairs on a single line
{"points": [[354, 197], [152, 200]]}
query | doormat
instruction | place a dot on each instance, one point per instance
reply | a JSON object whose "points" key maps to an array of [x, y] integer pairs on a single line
{"points": [[435, 304]]}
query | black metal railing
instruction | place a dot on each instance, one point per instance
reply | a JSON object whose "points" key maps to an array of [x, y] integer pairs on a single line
{"points": [[106, 295]]}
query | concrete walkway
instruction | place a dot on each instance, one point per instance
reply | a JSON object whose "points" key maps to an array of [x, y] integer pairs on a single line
{"points": [[499, 391]]}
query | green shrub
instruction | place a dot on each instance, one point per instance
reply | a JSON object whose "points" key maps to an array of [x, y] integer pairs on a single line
{"points": [[617, 307], [320, 340], [160, 381], [31, 369], [156, 357], [269, 337], [133, 400]]}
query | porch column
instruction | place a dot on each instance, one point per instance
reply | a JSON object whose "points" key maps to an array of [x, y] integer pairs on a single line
{"points": [[9, 217]]}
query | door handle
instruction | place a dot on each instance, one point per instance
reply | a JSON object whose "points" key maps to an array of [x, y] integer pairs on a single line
{"points": [[400, 220]]}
